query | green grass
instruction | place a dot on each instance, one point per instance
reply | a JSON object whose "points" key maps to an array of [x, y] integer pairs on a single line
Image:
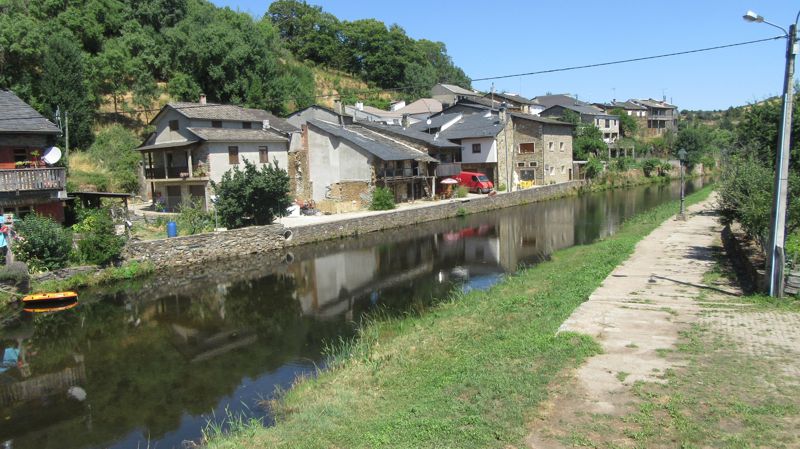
{"points": [[468, 373], [127, 271]]}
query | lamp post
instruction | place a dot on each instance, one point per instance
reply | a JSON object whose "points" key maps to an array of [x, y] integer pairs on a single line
{"points": [[777, 233], [682, 158]]}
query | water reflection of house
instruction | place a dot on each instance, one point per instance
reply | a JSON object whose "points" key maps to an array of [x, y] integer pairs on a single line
{"points": [[532, 233]]}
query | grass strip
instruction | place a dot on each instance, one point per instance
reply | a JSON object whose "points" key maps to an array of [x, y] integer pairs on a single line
{"points": [[468, 373], [126, 271]]}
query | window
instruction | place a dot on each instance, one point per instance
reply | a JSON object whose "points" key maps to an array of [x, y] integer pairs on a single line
{"points": [[20, 154], [552, 171], [527, 175], [173, 125], [561, 146], [233, 155], [563, 170], [608, 123], [533, 164], [247, 125], [476, 148], [263, 154], [520, 164], [216, 123], [550, 146], [527, 147]]}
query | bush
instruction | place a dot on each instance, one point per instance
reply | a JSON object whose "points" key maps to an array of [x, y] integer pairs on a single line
{"points": [[252, 196], [650, 166], [193, 218], [41, 243], [666, 168], [593, 168], [382, 199], [461, 192], [113, 149], [622, 164], [501, 188], [15, 273], [99, 244]]}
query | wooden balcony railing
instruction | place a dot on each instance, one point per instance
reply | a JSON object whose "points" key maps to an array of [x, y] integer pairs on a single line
{"points": [[400, 172], [181, 172], [29, 179], [448, 169]]}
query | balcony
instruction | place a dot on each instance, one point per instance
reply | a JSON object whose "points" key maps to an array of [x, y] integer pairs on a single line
{"points": [[451, 169], [176, 172], [408, 172], [32, 179]]}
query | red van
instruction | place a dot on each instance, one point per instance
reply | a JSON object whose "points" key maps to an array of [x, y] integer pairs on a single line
{"points": [[475, 182]]}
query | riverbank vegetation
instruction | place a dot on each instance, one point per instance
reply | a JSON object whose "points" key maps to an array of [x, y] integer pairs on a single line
{"points": [[469, 372]]}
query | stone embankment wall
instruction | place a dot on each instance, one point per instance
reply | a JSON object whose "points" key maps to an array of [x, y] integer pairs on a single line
{"points": [[194, 249]]}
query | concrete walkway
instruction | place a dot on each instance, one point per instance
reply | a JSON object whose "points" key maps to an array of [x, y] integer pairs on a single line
{"points": [[640, 308]]}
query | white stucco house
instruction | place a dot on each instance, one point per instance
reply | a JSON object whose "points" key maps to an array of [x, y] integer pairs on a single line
{"points": [[196, 143]]}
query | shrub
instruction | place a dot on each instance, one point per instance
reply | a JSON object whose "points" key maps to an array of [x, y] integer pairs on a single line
{"points": [[622, 164], [99, 244], [252, 196], [650, 166], [461, 191], [113, 149], [792, 248], [501, 188], [41, 243], [665, 169], [15, 273], [193, 218], [382, 199], [593, 168]]}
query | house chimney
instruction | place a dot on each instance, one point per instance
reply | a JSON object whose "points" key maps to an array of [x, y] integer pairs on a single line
{"points": [[264, 124], [203, 99], [503, 112], [337, 107], [404, 121], [360, 105]]}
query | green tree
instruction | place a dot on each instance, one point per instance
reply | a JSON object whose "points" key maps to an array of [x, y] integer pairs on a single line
{"points": [[62, 85], [42, 243], [252, 196], [627, 124], [114, 149], [99, 243]]}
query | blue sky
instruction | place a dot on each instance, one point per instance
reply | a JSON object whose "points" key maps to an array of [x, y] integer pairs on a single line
{"points": [[507, 37]]}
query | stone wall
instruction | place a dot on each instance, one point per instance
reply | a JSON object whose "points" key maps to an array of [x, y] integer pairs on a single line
{"points": [[195, 249]]}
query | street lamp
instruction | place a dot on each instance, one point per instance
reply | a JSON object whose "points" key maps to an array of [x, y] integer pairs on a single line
{"points": [[682, 158], [777, 233]]}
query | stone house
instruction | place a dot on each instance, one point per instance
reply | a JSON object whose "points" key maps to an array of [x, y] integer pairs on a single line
{"points": [[556, 105], [515, 103], [27, 184], [346, 163], [662, 117], [631, 109], [449, 94], [196, 143], [524, 148]]}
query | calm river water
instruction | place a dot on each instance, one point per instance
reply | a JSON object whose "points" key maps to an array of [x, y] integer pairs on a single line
{"points": [[149, 363]]}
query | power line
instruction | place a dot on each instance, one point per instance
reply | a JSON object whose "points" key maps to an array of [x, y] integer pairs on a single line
{"points": [[625, 61]]}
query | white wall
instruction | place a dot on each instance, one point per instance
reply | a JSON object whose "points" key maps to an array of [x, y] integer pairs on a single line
{"points": [[488, 151], [164, 134], [332, 160], [218, 156]]}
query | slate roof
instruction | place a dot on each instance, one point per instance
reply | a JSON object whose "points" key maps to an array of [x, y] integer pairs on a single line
{"points": [[159, 146], [16, 116], [509, 96], [458, 90], [373, 142], [626, 105], [236, 135], [429, 139], [536, 118], [422, 106], [569, 102], [473, 125], [484, 102], [655, 104], [215, 111]]}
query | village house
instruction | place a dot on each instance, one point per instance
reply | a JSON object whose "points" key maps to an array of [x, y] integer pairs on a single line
{"points": [[399, 111], [28, 184], [631, 109], [662, 117], [527, 149], [196, 143], [557, 104], [516, 103], [450, 94], [346, 163]]}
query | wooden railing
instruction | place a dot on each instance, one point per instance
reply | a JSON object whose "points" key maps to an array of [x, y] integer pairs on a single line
{"points": [[448, 169], [28, 179], [181, 172]]}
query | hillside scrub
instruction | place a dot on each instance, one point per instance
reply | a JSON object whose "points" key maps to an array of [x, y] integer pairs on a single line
{"points": [[468, 373]]}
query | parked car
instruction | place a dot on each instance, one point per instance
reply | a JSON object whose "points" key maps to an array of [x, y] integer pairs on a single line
{"points": [[475, 182]]}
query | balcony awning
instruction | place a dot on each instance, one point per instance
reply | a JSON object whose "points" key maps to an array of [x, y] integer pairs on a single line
{"points": [[167, 145]]}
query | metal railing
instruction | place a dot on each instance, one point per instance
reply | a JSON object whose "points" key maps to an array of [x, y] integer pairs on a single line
{"points": [[30, 179]]}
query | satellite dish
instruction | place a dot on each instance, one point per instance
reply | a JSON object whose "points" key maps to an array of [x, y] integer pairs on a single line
{"points": [[428, 121], [51, 155]]}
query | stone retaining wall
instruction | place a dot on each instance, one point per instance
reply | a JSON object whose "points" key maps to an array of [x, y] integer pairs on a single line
{"points": [[405, 217], [194, 249]]}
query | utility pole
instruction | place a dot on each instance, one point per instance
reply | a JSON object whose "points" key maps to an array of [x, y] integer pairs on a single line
{"points": [[777, 235], [66, 139]]}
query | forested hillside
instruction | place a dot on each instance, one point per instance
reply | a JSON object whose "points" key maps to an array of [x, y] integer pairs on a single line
{"points": [[103, 58]]}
